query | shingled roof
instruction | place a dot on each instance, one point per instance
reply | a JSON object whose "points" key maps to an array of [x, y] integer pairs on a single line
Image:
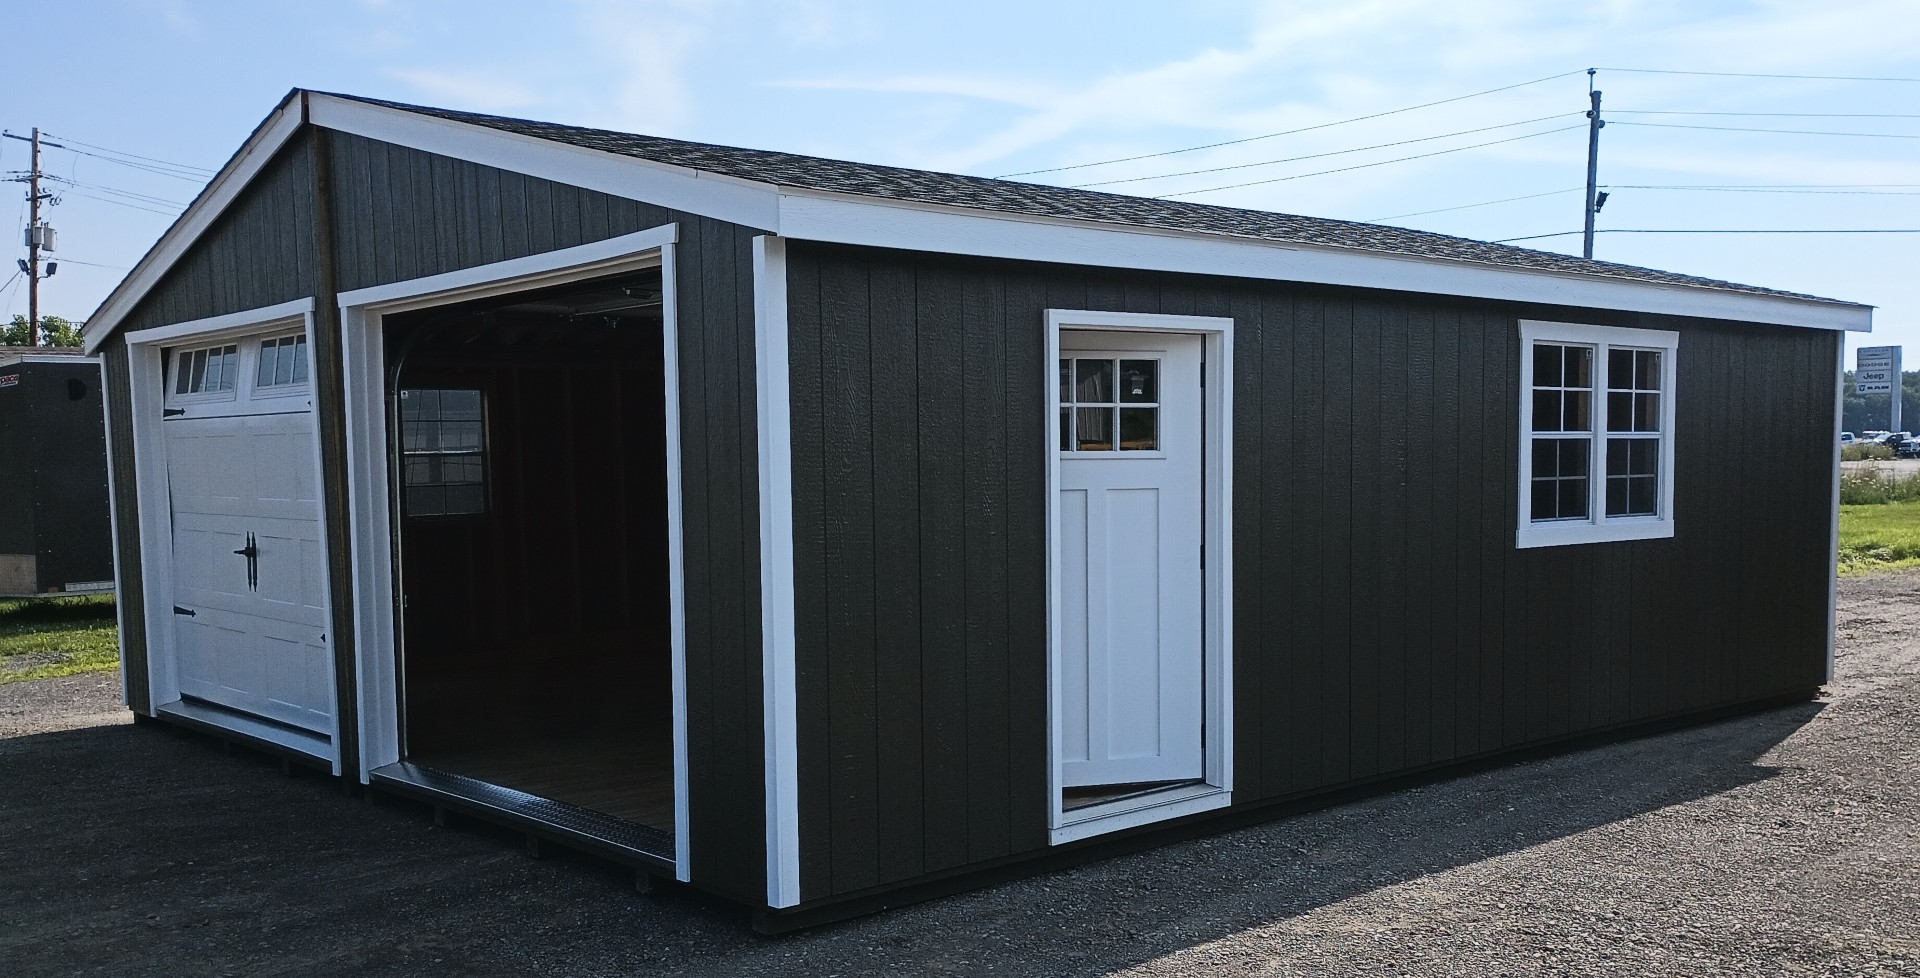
{"points": [[1040, 200]]}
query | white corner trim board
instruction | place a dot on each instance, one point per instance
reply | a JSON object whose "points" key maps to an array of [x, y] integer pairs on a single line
{"points": [[771, 366], [253, 157]]}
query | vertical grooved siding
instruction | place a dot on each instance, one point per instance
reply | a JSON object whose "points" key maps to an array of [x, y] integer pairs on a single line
{"points": [[1384, 620], [402, 214]]}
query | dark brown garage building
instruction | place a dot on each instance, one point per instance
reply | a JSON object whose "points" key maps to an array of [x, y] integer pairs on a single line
{"points": [[828, 535]]}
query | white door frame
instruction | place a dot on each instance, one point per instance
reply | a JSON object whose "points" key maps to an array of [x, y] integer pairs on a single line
{"points": [[369, 471], [146, 402], [1216, 791]]}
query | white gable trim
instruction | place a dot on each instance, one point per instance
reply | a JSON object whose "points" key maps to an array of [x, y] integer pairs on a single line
{"points": [[708, 194], [205, 209], [845, 219]]}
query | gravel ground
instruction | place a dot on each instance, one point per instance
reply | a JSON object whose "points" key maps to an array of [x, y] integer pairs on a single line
{"points": [[1786, 843]]}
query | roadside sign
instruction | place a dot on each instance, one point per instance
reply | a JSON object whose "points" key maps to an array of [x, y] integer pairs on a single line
{"points": [[1876, 369]]}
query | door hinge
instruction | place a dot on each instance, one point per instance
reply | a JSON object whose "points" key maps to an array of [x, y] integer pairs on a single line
{"points": [[172, 412], [184, 611]]}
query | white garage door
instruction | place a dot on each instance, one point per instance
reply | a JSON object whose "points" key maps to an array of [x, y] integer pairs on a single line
{"points": [[249, 589]]}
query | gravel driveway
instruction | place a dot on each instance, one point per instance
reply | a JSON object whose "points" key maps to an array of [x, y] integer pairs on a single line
{"points": [[1786, 843]]}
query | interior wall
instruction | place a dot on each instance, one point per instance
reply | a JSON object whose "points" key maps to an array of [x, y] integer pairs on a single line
{"points": [[547, 615]]}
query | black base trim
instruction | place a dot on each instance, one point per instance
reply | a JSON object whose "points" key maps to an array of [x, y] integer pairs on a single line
{"points": [[1055, 858], [618, 840]]}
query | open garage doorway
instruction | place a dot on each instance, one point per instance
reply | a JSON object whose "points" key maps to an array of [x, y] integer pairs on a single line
{"points": [[529, 445]]}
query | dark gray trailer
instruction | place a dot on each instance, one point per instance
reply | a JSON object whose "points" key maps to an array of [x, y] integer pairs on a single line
{"points": [[827, 535], [55, 535]]}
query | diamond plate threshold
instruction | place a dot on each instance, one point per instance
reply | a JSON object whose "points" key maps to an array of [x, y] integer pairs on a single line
{"points": [[570, 825]]}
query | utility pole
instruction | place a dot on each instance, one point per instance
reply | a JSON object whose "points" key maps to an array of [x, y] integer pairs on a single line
{"points": [[39, 236], [1594, 199]]}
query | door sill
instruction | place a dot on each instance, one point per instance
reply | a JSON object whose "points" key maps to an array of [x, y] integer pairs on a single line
{"points": [[273, 735], [603, 835], [1139, 809]]}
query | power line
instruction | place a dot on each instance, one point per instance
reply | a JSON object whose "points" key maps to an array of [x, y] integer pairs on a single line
{"points": [[1751, 74], [135, 156], [1363, 166], [122, 203], [189, 176], [1784, 132], [1289, 132], [1462, 207], [1790, 115], [1563, 234], [1765, 190], [146, 198], [95, 264], [1315, 156]]}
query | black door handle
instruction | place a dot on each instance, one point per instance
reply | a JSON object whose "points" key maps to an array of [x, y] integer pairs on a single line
{"points": [[252, 552]]}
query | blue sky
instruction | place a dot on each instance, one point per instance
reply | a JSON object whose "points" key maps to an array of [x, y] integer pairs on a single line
{"points": [[993, 88]]}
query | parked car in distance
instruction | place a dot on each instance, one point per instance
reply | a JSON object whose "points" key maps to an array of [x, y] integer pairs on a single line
{"points": [[1846, 438]]}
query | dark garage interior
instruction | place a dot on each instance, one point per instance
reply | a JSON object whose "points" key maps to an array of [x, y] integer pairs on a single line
{"points": [[536, 642]]}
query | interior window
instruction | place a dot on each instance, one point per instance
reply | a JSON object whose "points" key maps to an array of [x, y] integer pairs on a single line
{"points": [[443, 451]]}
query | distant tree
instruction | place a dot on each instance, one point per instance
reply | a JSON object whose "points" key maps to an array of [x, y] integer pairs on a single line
{"points": [[54, 331]]}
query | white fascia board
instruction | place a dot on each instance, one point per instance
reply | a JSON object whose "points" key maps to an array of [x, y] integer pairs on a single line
{"points": [[200, 215], [725, 198], [845, 219], [19, 358]]}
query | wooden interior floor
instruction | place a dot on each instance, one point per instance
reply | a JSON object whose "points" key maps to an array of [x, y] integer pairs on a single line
{"points": [[629, 777]]}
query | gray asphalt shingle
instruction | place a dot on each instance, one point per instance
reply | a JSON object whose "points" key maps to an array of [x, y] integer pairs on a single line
{"points": [[1040, 200]]}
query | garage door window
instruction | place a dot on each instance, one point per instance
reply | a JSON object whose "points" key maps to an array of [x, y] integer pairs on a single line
{"points": [[1596, 434], [207, 370], [443, 451]]}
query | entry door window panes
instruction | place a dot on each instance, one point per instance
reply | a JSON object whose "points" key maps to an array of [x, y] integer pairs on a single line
{"points": [[1109, 404], [443, 451]]}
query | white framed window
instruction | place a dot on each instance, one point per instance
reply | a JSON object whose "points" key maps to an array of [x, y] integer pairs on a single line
{"points": [[208, 370], [282, 362], [1596, 433]]}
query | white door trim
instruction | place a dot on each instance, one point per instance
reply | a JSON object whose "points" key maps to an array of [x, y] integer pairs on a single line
{"points": [[369, 472], [1217, 789], [146, 401]]}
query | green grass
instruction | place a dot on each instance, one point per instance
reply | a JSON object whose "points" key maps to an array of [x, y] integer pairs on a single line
{"points": [[1879, 536], [45, 637]]}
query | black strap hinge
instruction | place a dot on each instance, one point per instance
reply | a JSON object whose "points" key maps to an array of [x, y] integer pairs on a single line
{"points": [[184, 611], [172, 412]]}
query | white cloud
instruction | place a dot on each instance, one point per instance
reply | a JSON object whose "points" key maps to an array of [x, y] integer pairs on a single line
{"points": [[650, 44], [466, 89]]}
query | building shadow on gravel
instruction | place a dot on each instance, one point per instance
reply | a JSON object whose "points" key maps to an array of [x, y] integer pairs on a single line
{"points": [[142, 850]]}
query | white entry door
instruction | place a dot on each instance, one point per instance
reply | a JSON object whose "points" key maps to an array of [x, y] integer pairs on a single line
{"points": [[1130, 513], [249, 592]]}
